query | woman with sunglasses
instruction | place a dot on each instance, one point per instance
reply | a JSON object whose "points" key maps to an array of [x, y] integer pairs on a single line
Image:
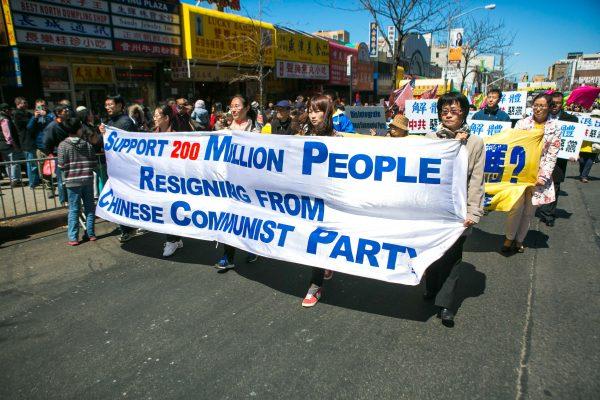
{"points": [[442, 276], [519, 217]]}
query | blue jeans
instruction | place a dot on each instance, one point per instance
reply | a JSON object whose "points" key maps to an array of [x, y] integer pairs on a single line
{"points": [[586, 160], [13, 170], [59, 186], [33, 173], [76, 196]]}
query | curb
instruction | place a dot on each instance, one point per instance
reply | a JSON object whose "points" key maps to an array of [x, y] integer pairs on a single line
{"points": [[22, 227]]}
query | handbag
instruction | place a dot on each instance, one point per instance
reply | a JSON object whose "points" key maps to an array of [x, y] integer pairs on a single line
{"points": [[49, 165]]}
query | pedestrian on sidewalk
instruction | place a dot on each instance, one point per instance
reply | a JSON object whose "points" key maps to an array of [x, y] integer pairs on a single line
{"points": [[10, 146], [22, 116], [519, 217], [41, 118], [442, 276], [77, 162]]}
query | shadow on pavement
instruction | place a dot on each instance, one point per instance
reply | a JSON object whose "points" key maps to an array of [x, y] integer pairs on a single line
{"points": [[483, 242], [564, 214], [536, 240], [347, 291], [360, 294]]}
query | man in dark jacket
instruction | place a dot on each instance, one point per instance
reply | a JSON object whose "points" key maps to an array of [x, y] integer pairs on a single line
{"points": [[9, 145], [115, 108], [21, 117], [547, 212], [281, 124], [492, 112], [53, 135]]}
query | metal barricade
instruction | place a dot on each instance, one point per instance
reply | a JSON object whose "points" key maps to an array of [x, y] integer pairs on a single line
{"points": [[25, 190]]}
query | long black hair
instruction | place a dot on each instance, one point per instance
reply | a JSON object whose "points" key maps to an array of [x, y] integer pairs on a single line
{"points": [[167, 111]]}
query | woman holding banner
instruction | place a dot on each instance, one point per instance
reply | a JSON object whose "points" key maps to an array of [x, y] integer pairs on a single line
{"points": [[442, 276], [244, 119], [519, 217], [319, 123], [163, 122]]}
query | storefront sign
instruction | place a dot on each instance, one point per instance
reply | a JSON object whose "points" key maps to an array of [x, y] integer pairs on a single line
{"points": [[338, 55], [140, 47], [362, 77], [26, 21], [9, 38], [300, 70], [146, 36], [134, 74], [85, 73], [55, 39], [226, 38], [79, 24], [139, 17], [373, 33], [48, 10], [301, 47]]}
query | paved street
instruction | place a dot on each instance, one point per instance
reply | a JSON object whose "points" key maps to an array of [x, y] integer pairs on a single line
{"points": [[101, 321]]}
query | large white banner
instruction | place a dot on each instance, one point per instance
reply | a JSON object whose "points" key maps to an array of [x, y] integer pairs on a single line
{"points": [[380, 210]]}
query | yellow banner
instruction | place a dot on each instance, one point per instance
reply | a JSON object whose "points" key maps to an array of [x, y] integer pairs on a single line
{"points": [[83, 73], [215, 36], [512, 160], [296, 46]]}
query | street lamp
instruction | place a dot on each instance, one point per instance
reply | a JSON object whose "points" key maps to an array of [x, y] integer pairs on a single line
{"points": [[450, 19]]}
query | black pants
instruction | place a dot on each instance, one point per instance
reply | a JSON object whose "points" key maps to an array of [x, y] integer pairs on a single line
{"points": [[442, 276], [229, 252], [317, 276], [171, 238], [547, 212]]}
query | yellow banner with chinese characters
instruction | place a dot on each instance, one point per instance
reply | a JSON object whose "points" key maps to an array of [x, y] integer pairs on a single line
{"points": [[297, 46], [215, 36], [512, 159], [99, 73]]}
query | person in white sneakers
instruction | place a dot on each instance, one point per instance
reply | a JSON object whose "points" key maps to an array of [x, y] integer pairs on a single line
{"points": [[163, 122], [320, 123]]}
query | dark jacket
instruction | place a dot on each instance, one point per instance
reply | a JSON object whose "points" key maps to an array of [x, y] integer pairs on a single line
{"points": [[491, 114], [122, 121], [36, 127], [53, 135], [15, 146], [281, 128], [560, 169], [26, 136]]}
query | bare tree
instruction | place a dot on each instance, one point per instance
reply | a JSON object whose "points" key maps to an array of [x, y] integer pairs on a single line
{"points": [[408, 16], [255, 43], [482, 38]]}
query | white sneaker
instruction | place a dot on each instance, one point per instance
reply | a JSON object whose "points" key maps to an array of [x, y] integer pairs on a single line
{"points": [[171, 247]]}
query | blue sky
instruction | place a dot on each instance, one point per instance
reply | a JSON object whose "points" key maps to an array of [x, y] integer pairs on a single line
{"points": [[545, 30]]}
